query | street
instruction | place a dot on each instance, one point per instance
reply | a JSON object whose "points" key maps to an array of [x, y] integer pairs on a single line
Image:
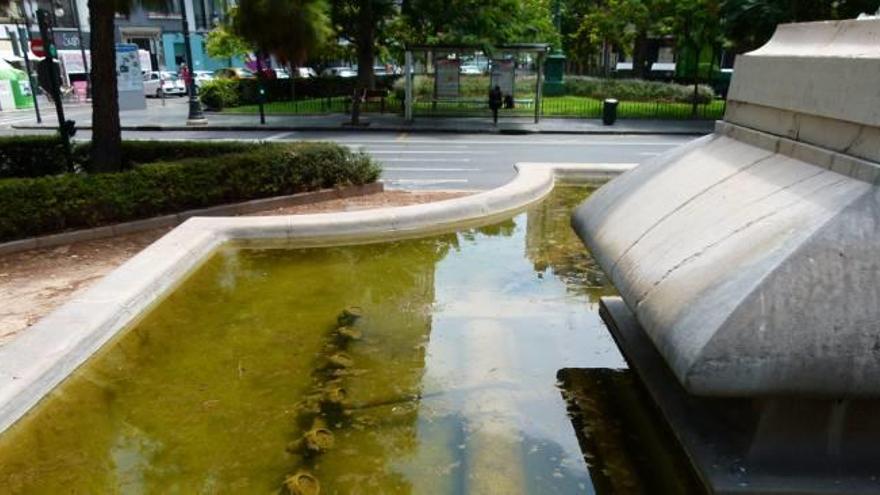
{"points": [[423, 160]]}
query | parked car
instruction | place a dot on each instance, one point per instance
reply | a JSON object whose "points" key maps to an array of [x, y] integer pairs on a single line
{"points": [[338, 72], [470, 70], [233, 73], [201, 77], [163, 83], [304, 72]]}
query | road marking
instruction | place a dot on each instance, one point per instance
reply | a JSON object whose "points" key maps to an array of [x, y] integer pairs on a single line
{"points": [[424, 182], [280, 135], [422, 160], [650, 153], [428, 169]]}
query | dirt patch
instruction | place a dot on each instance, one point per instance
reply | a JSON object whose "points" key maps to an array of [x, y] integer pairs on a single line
{"points": [[35, 282]]}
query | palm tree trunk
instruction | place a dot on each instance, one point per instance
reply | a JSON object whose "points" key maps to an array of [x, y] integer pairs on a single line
{"points": [[106, 132]]}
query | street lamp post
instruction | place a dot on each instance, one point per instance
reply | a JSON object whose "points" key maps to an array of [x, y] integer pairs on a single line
{"points": [[196, 116]]}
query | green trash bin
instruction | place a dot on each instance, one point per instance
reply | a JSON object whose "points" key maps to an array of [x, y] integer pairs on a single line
{"points": [[21, 91], [20, 86]]}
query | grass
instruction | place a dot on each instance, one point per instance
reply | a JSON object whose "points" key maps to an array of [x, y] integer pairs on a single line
{"points": [[553, 106]]}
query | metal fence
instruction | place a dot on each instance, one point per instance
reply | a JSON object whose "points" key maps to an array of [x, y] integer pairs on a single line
{"points": [[566, 107], [574, 107]]}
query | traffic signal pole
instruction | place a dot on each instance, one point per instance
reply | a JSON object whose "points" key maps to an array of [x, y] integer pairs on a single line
{"points": [[25, 39], [65, 127]]}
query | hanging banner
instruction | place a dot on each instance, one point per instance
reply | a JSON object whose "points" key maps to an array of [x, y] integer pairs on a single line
{"points": [[447, 77], [503, 72]]}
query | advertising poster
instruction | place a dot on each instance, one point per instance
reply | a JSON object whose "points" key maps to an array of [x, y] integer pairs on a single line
{"points": [[447, 73], [503, 75], [72, 61]]}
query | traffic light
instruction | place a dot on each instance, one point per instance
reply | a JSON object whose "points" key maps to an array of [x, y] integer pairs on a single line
{"points": [[45, 73]]}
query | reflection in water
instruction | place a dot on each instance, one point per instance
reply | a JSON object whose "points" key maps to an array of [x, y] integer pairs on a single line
{"points": [[551, 244], [630, 448], [238, 380]]}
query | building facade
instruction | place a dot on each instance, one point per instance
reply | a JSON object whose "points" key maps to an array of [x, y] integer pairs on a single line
{"points": [[159, 33]]}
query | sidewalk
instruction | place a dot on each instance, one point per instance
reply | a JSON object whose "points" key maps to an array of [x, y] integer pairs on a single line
{"points": [[172, 117]]}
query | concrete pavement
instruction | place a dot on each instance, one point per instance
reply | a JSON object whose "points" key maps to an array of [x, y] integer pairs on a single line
{"points": [[170, 115]]}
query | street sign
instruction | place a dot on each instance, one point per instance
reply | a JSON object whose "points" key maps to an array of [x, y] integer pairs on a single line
{"points": [[37, 47]]}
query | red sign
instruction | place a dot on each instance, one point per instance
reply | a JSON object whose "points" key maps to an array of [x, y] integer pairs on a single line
{"points": [[37, 47]]}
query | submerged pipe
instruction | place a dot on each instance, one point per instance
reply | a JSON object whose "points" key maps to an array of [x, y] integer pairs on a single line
{"points": [[303, 483]]}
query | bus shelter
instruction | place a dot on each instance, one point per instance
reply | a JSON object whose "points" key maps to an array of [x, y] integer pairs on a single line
{"points": [[450, 61]]}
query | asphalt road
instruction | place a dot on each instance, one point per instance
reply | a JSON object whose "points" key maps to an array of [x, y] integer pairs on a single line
{"points": [[444, 161]]}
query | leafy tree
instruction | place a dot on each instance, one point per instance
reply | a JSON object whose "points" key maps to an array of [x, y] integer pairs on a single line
{"points": [[363, 24], [287, 29], [625, 24], [748, 24], [223, 42], [488, 22]]}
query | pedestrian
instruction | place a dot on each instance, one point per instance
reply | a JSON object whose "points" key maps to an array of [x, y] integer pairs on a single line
{"points": [[186, 75], [495, 99]]}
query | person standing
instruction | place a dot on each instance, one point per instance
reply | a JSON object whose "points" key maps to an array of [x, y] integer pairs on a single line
{"points": [[495, 100], [186, 75]]}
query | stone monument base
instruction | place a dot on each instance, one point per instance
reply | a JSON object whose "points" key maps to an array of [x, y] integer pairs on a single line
{"points": [[765, 445]]}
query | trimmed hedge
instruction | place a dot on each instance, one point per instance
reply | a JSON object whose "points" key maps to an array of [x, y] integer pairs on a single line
{"points": [[473, 86], [225, 93], [31, 156], [636, 90], [37, 156], [37, 206]]}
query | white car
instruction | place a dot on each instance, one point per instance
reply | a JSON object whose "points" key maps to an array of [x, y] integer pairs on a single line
{"points": [[339, 72], [163, 83], [304, 73], [470, 70]]}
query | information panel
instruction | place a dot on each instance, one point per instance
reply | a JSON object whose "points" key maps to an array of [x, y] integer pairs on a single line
{"points": [[503, 72], [129, 79], [447, 73]]}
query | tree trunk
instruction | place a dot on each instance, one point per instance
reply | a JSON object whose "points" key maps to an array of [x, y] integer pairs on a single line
{"points": [[365, 45], [640, 49], [106, 133]]}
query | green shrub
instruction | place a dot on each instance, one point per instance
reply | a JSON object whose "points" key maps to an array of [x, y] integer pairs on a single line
{"points": [[590, 87], [31, 156], [635, 90], [218, 94], [36, 206], [313, 87]]}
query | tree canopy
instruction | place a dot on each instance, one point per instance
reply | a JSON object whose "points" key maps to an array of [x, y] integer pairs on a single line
{"points": [[287, 29], [223, 42], [480, 21]]}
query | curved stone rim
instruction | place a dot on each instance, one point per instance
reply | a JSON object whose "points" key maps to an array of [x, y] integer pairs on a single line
{"points": [[37, 361]]}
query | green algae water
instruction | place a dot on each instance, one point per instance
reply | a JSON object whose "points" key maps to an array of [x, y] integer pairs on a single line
{"points": [[240, 381]]}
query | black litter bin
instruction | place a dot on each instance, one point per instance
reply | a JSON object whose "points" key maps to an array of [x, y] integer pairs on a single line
{"points": [[609, 111]]}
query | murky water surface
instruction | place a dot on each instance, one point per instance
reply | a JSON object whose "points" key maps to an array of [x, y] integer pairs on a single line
{"points": [[240, 380]]}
